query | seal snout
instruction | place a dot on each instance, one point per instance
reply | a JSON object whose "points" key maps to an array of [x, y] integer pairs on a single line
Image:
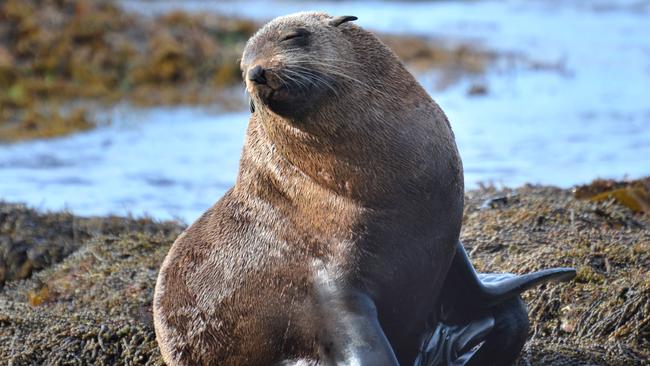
{"points": [[257, 74]]}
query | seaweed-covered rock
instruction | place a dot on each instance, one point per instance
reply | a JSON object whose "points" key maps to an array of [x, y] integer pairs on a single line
{"points": [[600, 318], [56, 54], [94, 307], [31, 241]]}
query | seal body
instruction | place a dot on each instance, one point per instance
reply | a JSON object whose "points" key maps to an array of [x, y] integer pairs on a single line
{"points": [[347, 205]]}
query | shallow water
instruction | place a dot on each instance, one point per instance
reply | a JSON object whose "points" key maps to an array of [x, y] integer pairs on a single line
{"points": [[589, 119]]}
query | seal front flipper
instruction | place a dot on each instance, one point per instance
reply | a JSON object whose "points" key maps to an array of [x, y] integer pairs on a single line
{"points": [[350, 333]]}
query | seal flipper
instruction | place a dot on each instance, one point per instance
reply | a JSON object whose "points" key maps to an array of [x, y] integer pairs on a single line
{"points": [[350, 333], [453, 345], [491, 289], [494, 337], [468, 297], [353, 333]]}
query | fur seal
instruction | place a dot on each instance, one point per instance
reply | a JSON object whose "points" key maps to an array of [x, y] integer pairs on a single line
{"points": [[341, 231]]}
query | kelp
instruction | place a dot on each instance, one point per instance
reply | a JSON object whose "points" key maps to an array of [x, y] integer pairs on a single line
{"points": [[56, 53]]}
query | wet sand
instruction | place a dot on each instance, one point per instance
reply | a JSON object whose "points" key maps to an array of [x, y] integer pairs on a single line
{"points": [[94, 306]]}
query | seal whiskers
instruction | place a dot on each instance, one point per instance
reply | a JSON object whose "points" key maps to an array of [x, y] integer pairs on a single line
{"points": [[335, 71], [310, 77]]}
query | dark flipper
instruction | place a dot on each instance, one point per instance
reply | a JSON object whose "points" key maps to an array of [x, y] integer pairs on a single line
{"points": [[504, 343], [350, 329], [463, 282], [454, 345], [494, 339], [470, 299]]}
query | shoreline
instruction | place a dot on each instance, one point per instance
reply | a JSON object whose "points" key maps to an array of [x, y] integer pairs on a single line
{"points": [[94, 306]]}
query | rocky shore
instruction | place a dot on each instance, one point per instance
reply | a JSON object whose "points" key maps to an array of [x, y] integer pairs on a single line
{"points": [[78, 290]]}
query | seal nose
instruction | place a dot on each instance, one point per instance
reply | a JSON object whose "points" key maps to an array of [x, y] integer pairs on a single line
{"points": [[256, 74]]}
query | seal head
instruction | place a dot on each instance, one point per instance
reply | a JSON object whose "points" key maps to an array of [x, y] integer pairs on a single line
{"points": [[295, 62]]}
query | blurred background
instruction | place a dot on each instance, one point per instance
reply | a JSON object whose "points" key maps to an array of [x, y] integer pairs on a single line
{"points": [[137, 107]]}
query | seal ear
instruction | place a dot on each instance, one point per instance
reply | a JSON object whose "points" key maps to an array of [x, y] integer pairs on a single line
{"points": [[336, 21]]}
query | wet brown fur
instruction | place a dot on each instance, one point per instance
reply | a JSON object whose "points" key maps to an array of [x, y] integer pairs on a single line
{"points": [[365, 182]]}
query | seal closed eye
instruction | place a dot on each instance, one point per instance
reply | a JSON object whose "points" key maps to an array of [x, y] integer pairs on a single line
{"points": [[339, 241], [299, 33]]}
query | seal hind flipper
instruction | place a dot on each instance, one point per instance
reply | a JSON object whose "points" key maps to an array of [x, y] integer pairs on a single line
{"points": [[499, 286], [493, 288], [494, 337], [469, 297], [453, 345]]}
